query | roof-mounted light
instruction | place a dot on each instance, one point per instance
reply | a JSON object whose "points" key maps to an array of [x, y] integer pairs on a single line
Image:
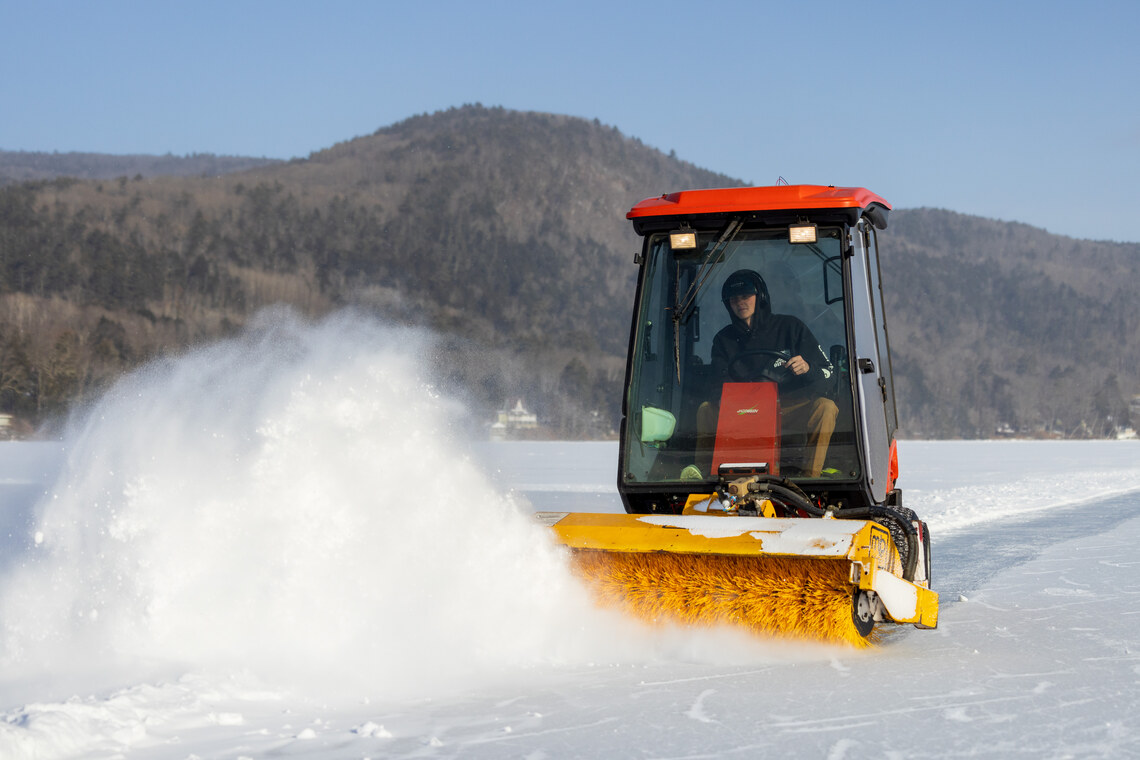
{"points": [[685, 240], [802, 233]]}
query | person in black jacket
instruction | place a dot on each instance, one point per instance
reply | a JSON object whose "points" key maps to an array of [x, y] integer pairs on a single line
{"points": [[758, 345]]}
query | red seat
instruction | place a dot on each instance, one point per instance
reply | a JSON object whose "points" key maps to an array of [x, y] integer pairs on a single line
{"points": [[748, 426]]}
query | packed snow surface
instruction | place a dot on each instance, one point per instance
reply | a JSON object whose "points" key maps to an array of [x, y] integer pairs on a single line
{"points": [[280, 546]]}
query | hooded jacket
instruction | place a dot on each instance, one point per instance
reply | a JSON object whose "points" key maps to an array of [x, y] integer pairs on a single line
{"points": [[773, 332]]}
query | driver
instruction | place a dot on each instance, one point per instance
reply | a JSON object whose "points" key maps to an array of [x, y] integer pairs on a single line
{"points": [[760, 345]]}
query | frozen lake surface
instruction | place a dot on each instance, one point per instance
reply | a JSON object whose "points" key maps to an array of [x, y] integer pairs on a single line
{"points": [[303, 562]]}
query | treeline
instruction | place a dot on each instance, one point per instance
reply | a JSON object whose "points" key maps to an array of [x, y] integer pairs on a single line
{"points": [[21, 166], [505, 232], [90, 292]]}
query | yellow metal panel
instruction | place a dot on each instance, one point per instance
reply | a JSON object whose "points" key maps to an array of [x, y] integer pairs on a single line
{"points": [[705, 534]]}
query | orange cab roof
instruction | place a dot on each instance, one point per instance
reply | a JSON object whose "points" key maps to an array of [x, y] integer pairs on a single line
{"points": [[737, 199]]}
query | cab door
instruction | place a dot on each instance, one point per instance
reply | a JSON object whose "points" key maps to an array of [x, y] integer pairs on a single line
{"points": [[871, 363]]}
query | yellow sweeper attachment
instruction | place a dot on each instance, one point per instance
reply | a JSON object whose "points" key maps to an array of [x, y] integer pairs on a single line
{"points": [[822, 579]]}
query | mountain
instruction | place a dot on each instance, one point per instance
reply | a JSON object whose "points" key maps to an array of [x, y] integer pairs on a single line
{"points": [[504, 232]]}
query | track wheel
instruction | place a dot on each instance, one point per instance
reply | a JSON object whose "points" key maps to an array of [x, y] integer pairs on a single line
{"points": [[863, 613]]}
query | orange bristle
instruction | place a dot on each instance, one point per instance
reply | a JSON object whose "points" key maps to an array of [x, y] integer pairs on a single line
{"points": [[793, 597]]}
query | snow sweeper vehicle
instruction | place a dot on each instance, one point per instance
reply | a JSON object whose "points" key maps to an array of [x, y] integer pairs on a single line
{"points": [[757, 459]]}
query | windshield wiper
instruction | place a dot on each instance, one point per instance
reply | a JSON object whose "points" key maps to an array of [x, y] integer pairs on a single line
{"points": [[683, 308]]}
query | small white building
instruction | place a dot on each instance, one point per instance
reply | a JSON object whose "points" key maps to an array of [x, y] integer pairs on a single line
{"points": [[510, 421]]}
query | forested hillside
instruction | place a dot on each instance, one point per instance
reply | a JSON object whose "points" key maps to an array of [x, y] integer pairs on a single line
{"points": [[1001, 325], [505, 232]]}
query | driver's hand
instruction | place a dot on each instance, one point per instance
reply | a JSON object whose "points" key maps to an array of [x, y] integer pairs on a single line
{"points": [[797, 365]]}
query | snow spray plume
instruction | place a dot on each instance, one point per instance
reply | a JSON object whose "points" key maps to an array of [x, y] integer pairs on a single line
{"points": [[287, 502], [290, 503]]}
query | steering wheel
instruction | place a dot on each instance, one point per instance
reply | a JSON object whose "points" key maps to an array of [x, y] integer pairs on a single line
{"points": [[741, 370]]}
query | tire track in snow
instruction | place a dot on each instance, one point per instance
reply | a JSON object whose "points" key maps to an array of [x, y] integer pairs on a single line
{"points": [[964, 560]]}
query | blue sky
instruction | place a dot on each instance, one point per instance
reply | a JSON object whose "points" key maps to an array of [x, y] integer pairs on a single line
{"points": [[1022, 111]]}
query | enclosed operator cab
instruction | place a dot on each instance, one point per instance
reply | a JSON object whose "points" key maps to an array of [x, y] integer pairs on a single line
{"points": [[799, 390]]}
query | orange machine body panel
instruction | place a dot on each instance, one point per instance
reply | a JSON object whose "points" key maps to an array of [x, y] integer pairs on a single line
{"points": [[738, 199]]}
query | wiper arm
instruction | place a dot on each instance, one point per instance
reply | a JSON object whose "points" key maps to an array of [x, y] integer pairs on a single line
{"points": [[683, 308]]}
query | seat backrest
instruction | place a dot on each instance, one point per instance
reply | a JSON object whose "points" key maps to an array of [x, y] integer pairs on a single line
{"points": [[748, 426]]}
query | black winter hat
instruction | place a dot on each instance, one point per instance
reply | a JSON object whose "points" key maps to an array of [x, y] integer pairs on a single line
{"points": [[745, 282]]}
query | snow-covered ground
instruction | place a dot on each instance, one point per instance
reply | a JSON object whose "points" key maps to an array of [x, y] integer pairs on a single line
{"points": [[276, 547]]}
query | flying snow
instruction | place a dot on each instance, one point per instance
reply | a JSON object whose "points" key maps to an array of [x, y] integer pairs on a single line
{"points": [[286, 501], [293, 503]]}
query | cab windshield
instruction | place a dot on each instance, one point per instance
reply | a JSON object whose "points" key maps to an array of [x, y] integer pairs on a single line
{"points": [[740, 359]]}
